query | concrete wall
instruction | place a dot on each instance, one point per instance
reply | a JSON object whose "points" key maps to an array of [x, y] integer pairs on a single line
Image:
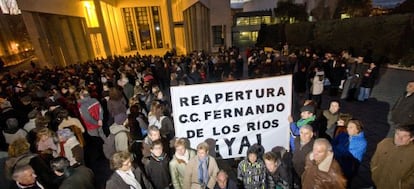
{"points": [[220, 14], [61, 7]]}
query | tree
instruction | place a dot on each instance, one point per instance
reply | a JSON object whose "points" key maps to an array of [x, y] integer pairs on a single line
{"points": [[405, 7], [355, 8], [286, 10]]}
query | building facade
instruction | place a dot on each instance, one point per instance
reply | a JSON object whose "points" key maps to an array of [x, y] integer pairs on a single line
{"points": [[64, 32]]}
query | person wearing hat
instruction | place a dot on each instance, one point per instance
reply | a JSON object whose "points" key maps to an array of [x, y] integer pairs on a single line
{"points": [[121, 132], [252, 171], [307, 117]]}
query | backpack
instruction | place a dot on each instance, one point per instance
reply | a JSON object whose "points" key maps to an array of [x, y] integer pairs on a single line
{"points": [[109, 145]]}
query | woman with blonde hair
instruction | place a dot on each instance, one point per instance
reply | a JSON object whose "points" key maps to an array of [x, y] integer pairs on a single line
{"points": [[46, 143], [20, 155], [125, 176], [201, 171], [183, 154]]}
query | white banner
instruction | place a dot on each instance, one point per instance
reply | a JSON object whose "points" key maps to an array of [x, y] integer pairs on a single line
{"points": [[236, 114]]}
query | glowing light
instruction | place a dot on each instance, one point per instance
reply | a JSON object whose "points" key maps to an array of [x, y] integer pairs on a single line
{"points": [[9, 7], [90, 14], [345, 16]]}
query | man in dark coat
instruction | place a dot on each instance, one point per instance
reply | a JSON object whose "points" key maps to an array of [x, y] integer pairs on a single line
{"points": [[304, 145], [79, 177], [402, 112], [26, 178]]}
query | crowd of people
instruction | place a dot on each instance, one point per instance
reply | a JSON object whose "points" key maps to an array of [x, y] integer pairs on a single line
{"points": [[57, 122]]}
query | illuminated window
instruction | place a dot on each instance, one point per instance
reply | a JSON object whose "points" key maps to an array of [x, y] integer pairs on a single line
{"points": [[242, 21], [248, 36], [266, 20], [141, 15], [255, 34], [345, 16], [130, 28], [144, 27], [157, 26], [256, 20], [218, 35], [90, 14]]}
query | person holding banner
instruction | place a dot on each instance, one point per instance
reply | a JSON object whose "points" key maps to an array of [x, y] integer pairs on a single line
{"points": [[201, 171], [307, 118]]}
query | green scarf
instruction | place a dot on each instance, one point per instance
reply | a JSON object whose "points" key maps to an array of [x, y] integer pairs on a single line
{"points": [[302, 122]]}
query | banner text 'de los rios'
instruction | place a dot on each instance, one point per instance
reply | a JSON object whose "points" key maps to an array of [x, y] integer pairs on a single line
{"points": [[236, 114]]}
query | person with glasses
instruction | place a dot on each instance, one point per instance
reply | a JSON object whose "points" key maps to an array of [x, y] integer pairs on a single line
{"points": [[126, 176]]}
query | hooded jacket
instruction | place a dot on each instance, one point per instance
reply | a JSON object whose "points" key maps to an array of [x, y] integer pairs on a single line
{"points": [[121, 137]]}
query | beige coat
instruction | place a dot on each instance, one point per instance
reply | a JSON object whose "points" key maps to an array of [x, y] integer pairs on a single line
{"points": [[177, 169], [191, 173], [392, 166]]}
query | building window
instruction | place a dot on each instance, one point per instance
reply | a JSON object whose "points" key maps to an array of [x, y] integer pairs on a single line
{"points": [[144, 30], [157, 26], [143, 27], [129, 28], [256, 20], [266, 20], [218, 38], [248, 36], [242, 21]]}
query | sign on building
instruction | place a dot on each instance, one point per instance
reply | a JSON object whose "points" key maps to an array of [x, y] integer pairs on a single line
{"points": [[236, 114]]}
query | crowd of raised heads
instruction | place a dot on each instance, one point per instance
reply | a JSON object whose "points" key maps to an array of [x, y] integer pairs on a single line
{"points": [[59, 124]]}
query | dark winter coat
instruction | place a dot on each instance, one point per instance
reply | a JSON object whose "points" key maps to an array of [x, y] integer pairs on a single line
{"points": [[403, 110], [80, 178], [116, 182], [158, 172], [369, 77], [299, 155]]}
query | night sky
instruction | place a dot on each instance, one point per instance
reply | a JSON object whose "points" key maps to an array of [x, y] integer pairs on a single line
{"points": [[387, 3]]}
